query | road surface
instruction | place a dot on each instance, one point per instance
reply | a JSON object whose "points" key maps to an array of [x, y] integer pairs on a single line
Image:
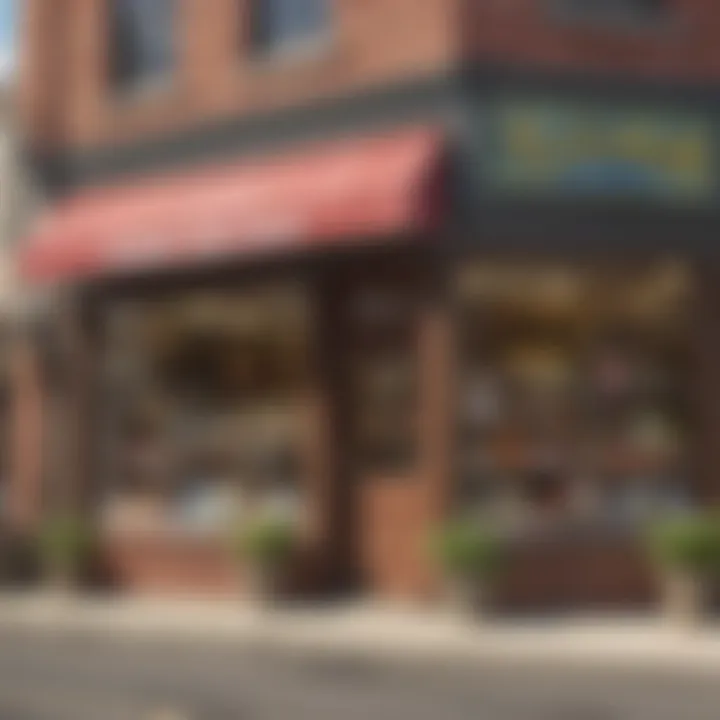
{"points": [[71, 678]]}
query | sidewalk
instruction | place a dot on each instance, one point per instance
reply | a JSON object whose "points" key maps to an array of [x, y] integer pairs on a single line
{"points": [[374, 632]]}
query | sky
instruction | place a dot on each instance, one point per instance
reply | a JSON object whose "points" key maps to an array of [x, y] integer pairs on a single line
{"points": [[7, 33]]}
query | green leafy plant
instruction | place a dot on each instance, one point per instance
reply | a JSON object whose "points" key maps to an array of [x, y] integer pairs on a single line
{"points": [[466, 550], [264, 542], [689, 544], [66, 543]]}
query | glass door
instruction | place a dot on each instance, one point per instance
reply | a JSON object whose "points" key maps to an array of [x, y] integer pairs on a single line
{"points": [[384, 377]]}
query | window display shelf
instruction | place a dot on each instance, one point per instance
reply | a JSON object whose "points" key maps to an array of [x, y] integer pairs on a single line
{"points": [[205, 407], [567, 379]]}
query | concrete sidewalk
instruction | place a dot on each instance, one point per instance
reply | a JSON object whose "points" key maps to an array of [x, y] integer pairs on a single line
{"points": [[375, 632]]}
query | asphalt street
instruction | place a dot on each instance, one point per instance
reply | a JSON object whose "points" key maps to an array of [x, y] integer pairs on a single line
{"points": [[64, 678]]}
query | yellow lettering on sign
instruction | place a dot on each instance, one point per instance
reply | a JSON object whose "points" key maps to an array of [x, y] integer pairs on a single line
{"points": [[542, 143]]}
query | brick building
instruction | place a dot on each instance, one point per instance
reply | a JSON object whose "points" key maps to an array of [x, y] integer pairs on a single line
{"points": [[19, 402], [439, 255]]}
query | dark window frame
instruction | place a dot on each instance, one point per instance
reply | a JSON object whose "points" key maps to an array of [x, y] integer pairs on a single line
{"points": [[289, 27], [612, 13], [143, 54]]}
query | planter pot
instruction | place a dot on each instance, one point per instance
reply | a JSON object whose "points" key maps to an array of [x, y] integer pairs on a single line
{"points": [[63, 581], [686, 598], [11, 554]]}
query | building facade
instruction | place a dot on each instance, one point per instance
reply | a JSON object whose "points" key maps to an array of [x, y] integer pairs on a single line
{"points": [[20, 199], [377, 263]]}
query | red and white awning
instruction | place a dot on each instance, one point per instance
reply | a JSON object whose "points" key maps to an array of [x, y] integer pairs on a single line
{"points": [[337, 193]]}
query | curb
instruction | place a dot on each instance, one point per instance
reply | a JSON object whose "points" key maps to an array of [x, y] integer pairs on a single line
{"points": [[384, 639]]}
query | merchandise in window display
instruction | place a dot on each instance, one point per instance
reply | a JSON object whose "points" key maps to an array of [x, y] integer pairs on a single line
{"points": [[589, 363], [476, 491], [651, 432], [207, 505], [483, 400], [283, 504], [500, 507], [541, 368], [221, 412], [585, 501], [636, 501], [514, 514], [477, 460], [614, 376]]}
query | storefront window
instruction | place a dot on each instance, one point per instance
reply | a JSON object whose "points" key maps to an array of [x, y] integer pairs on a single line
{"points": [[288, 24], [571, 406], [204, 407], [142, 39]]}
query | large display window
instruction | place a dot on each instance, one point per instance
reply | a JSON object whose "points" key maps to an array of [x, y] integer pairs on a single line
{"points": [[571, 406], [204, 410]]}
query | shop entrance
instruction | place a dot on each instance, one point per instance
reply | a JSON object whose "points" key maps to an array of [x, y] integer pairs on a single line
{"points": [[387, 380]]}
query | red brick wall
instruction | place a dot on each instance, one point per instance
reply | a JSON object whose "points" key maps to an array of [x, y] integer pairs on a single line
{"points": [[681, 46], [26, 436], [375, 41], [39, 69], [66, 99]]}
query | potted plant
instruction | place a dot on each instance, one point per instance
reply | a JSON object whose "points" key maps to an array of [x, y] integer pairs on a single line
{"points": [[264, 548], [470, 556], [687, 551], [65, 545]]}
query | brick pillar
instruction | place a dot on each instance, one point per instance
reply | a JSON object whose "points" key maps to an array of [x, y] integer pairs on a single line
{"points": [[73, 425], [397, 508], [704, 382], [25, 427], [437, 362]]}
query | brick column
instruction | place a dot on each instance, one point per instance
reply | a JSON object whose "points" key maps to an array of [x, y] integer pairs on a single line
{"points": [[25, 429], [73, 406], [704, 382], [437, 377]]}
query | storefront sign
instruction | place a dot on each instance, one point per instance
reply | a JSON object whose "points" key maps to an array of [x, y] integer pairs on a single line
{"points": [[593, 151]]}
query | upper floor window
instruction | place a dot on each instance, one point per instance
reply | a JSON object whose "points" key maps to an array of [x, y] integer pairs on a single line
{"points": [[278, 25], [613, 10], [142, 41]]}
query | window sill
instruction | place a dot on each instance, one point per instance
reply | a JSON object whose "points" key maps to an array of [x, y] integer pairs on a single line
{"points": [[614, 24], [143, 93], [291, 56], [164, 533], [613, 20]]}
